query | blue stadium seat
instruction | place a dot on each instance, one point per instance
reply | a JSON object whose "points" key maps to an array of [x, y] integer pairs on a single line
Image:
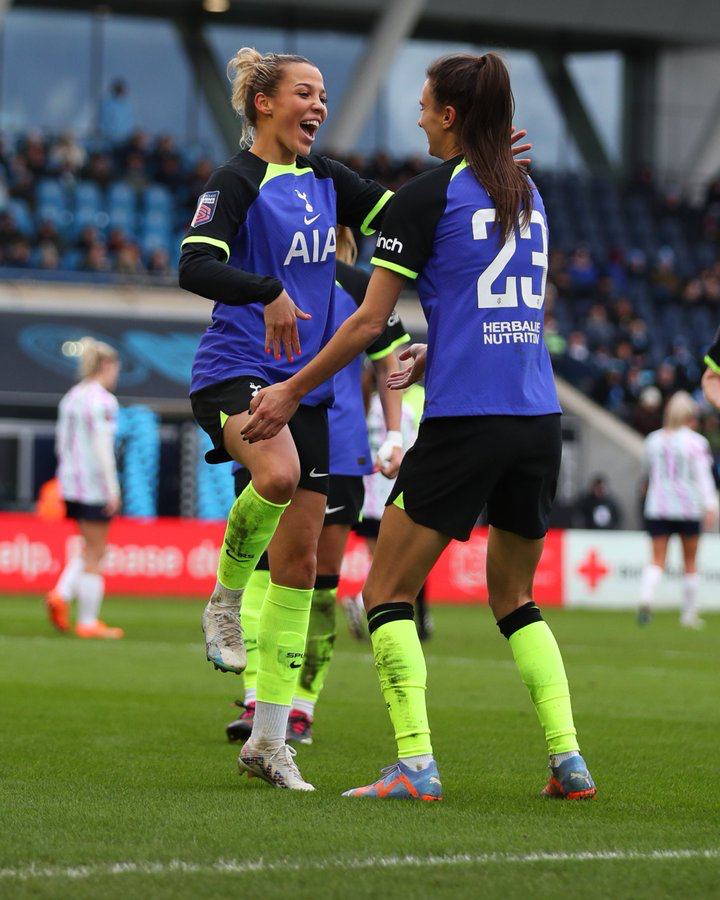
{"points": [[122, 217], [121, 195], [50, 192], [139, 434], [215, 488], [157, 198], [23, 218], [88, 195]]}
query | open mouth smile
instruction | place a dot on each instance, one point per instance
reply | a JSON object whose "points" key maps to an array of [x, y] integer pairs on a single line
{"points": [[309, 128]]}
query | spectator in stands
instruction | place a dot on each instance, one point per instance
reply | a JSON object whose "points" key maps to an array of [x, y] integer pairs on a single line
{"points": [[647, 415], [166, 162], [67, 157], [665, 379], [117, 119], [96, 259], [554, 341], [9, 232], [99, 168], [87, 238], [598, 328], [159, 262], [598, 508], [48, 257], [687, 371], [136, 174], [129, 260], [577, 347], [666, 283], [19, 254], [639, 337], [21, 181], [47, 233], [33, 152], [583, 272]]}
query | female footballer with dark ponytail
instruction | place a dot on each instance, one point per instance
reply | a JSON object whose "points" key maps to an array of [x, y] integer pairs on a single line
{"points": [[472, 234], [486, 115]]}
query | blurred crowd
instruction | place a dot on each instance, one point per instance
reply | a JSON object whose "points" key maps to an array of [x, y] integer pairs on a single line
{"points": [[631, 328], [633, 289]]}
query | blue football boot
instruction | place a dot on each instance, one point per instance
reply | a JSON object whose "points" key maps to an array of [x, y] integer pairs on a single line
{"points": [[570, 779], [400, 780]]}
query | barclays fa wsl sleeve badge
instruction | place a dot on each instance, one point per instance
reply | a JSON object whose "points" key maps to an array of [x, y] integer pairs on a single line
{"points": [[207, 204]]}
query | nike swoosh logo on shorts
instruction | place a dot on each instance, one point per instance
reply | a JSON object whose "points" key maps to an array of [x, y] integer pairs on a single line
{"points": [[313, 474], [310, 221], [329, 510]]}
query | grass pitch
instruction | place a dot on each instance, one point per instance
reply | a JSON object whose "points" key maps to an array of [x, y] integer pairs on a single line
{"points": [[117, 780]]}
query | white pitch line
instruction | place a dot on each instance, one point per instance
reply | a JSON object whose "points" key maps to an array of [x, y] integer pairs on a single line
{"points": [[248, 867]]}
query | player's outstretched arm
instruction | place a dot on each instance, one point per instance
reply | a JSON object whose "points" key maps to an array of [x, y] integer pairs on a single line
{"points": [[272, 407]]}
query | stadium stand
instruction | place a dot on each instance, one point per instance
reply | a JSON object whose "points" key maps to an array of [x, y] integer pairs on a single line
{"points": [[633, 285]]}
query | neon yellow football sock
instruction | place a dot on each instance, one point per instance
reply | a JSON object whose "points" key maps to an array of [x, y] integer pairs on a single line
{"points": [[282, 630], [401, 668], [319, 645], [538, 658], [251, 524], [252, 602]]}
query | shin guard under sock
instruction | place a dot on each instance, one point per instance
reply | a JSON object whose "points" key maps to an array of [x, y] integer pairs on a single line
{"points": [[250, 525], [540, 664], [401, 668]]}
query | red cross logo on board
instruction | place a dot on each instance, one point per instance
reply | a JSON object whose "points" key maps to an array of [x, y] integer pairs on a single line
{"points": [[593, 570]]}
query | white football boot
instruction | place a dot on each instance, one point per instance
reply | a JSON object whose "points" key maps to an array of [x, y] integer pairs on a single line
{"points": [[224, 642], [274, 765]]}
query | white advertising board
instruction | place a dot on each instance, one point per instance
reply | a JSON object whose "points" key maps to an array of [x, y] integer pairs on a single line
{"points": [[603, 569]]}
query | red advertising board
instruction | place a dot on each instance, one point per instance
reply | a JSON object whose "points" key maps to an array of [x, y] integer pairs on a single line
{"points": [[178, 557], [155, 557], [459, 574]]}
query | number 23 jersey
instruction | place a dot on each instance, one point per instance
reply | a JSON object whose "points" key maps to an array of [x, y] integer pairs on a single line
{"points": [[482, 296]]}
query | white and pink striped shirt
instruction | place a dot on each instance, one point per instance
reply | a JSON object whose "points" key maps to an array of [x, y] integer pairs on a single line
{"points": [[680, 472], [87, 422]]}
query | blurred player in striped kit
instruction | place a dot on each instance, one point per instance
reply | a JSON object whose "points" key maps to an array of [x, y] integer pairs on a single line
{"points": [[87, 422], [681, 499]]}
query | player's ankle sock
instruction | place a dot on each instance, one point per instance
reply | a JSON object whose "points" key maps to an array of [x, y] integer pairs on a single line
{"points": [[689, 602], [418, 763], [90, 590], [538, 659], [320, 639], [252, 602], [401, 668], [250, 696], [68, 582], [649, 581], [282, 629], [304, 706], [557, 758], [250, 525], [269, 724]]}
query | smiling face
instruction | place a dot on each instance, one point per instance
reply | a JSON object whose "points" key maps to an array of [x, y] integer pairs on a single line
{"points": [[437, 122], [288, 122]]}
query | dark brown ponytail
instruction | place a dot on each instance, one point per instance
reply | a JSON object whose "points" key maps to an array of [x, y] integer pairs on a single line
{"points": [[478, 88]]}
